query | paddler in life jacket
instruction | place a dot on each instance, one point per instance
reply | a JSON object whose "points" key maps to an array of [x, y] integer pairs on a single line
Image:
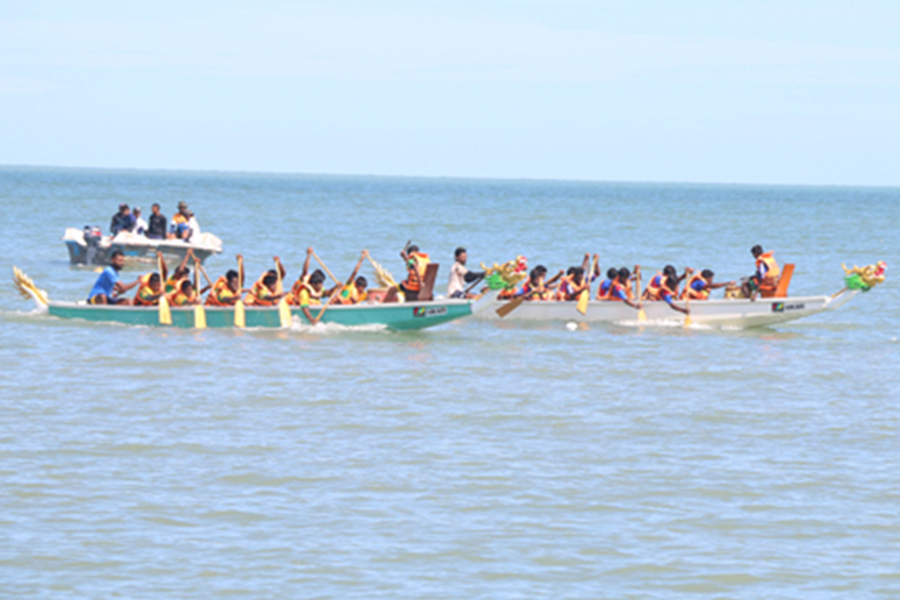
{"points": [[416, 263], [354, 290], [536, 288], [668, 293], [182, 272], [185, 296], [149, 290], [612, 274], [574, 281], [267, 290], [309, 293], [767, 275], [654, 286], [620, 289], [700, 284], [225, 290]]}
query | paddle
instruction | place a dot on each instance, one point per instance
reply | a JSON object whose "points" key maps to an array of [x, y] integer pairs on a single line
{"points": [[199, 311], [165, 313], [517, 302], [240, 317], [327, 270], [331, 299], [642, 316], [284, 311], [585, 296]]}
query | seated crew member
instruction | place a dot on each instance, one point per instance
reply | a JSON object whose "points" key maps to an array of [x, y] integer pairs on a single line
{"points": [[354, 290], [461, 277], [669, 292], [310, 293], [108, 289], [149, 290], [700, 284], [574, 282], [266, 292], [656, 282], [535, 288], [185, 296], [767, 275], [225, 290], [620, 289], [182, 272], [416, 263], [612, 274]]}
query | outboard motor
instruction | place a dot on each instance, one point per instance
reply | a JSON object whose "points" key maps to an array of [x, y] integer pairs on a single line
{"points": [[92, 237]]}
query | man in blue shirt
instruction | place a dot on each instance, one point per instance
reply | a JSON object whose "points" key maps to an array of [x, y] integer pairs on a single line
{"points": [[108, 289], [122, 220]]}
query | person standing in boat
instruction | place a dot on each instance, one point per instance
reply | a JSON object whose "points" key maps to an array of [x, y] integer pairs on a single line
{"points": [[140, 225], [416, 263], [157, 227], [767, 275], [121, 221], [108, 289], [461, 277]]}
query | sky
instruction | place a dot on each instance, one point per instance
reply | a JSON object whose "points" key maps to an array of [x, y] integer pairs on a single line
{"points": [[781, 92]]}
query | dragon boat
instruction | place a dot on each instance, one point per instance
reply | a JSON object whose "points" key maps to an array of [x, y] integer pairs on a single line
{"points": [[733, 312], [90, 247], [397, 316]]}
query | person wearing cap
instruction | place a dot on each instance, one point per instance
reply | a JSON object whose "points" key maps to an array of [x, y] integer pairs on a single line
{"points": [[140, 225], [157, 229], [180, 227], [121, 221]]}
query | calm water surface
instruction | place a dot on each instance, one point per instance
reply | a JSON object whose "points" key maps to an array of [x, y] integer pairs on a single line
{"points": [[471, 460]]}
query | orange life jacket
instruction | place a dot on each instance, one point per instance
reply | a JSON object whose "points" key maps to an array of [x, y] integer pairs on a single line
{"points": [[690, 293], [604, 294], [768, 259], [351, 295], [261, 295], [416, 270], [179, 298], [654, 287], [302, 285], [219, 289], [536, 293], [611, 294], [142, 297]]}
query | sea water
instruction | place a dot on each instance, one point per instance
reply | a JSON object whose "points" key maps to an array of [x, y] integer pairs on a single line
{"points": [[475, 459]]}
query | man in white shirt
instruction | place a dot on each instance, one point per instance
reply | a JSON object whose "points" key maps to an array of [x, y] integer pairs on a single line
{"points": [[140, 225], [460, 276]]}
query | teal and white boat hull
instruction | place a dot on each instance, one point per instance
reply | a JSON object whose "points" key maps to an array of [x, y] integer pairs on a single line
{"points": [[402, 316]]}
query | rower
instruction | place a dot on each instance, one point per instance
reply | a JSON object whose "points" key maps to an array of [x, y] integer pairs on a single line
{"points": [[669, 292], [267, 291], [310, 293], [416, 263], [612, 274], [108, 289], [149, 290], [574, 282], [656, 282], [767, 275], [182, 272], [620, 289], [354, 290], [700, 284], [461, 276], [225, 290], [185, 296], [536, 288]]}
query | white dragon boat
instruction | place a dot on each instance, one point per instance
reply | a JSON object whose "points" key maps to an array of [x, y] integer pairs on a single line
{"points": [[738, 313]]}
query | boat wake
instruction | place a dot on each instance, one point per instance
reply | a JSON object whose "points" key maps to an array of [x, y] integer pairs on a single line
{"points": [[301, 326]]}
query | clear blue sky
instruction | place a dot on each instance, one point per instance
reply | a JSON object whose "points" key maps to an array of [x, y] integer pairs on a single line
{"points": [[757, 92]]}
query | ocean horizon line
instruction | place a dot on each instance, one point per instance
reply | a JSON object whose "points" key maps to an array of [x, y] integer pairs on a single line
{"points": [[395, 177]]}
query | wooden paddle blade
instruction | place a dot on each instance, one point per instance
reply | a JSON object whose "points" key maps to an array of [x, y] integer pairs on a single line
{"points": [[642, 316], [687, 321], [284, 313], [583, 302], [165, 313], [510, 306], [199, 317], [240, 317]]}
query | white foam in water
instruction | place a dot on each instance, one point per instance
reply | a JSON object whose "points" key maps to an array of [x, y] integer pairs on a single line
{"points": [[302, 326]]}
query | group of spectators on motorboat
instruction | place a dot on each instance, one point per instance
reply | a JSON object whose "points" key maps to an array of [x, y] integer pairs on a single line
{"points": [[184, 224]]}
